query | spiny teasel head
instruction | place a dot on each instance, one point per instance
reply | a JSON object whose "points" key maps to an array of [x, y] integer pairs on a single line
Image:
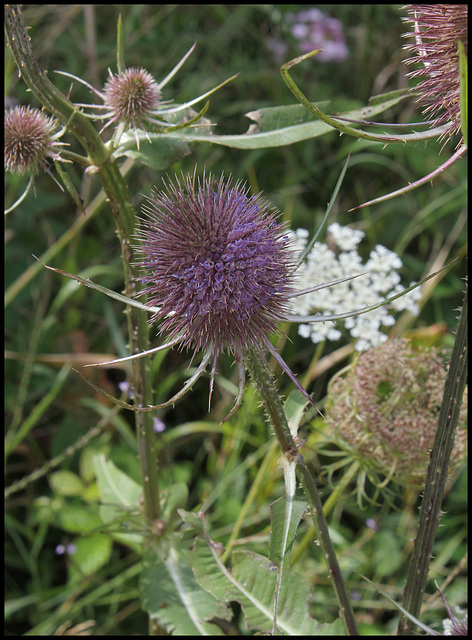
{"points": [[436, 29], [217, 264], [385, 410], [29, 139], [131, 96]]}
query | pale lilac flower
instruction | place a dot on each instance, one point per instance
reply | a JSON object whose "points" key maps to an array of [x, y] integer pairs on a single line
{"points": [[315, 30]]}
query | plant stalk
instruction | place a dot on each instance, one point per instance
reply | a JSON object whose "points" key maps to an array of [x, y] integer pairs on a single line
{"points": [[117, 193], [273, 405], [436, 477]]}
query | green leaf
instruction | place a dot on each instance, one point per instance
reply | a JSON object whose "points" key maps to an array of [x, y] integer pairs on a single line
{"points": [[289, 130], [252, 583], [159, 152], [273, 118], [92, 553], [78, 518], [170, 593], [294, 409], [66, 483], [119, 494], [285, 515]]}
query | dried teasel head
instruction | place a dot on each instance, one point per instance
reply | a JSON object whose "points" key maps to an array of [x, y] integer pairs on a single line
{"points": [[436, 29]]}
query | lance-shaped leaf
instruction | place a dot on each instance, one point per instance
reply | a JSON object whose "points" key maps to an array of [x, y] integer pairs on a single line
{"points": [[280, 126]]}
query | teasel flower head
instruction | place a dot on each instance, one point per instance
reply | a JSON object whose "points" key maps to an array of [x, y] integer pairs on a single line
{"points": [[29, 140], [217, 264], [383, 412], [132, 99], [131, 96], [218, 273], [436, 29]]}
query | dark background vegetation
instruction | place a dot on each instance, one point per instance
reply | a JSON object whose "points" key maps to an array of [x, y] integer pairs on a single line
{"points": [[47, 319]]}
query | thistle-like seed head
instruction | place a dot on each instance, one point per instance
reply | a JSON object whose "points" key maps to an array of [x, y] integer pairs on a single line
{"points": [[28, 139], [385, 410], [436, 30], [131, 95], [216, 262]]}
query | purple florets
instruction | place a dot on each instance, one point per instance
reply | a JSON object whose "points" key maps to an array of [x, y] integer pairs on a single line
{"points": [[217, 264]]}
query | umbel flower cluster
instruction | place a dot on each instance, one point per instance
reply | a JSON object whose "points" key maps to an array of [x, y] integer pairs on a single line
{"points": [[384, 411], [339, 259], [436, 29]]}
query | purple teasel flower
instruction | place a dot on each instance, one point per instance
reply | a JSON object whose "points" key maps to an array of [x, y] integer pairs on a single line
{"points": [[219, 275]]}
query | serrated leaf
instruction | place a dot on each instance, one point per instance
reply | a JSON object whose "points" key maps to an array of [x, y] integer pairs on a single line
{"points": [[171, 594], [252, 583]]}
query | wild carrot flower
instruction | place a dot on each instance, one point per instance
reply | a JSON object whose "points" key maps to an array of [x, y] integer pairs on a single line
{"points": [[384, 410], [436, 30], [29, 140], [338, 258]]}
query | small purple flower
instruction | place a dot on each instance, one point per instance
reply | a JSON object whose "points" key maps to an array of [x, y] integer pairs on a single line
{"points": [[217, 264], [66, 549], [315, 30], [158, 425]]}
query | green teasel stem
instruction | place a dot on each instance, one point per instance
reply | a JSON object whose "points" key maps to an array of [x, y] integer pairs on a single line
{"points": [[264, 383], [436, 477], [123, 211]]}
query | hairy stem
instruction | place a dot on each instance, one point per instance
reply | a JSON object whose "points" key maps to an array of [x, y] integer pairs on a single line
{"points": [[436, 477], [273, 405], [117, 193]]}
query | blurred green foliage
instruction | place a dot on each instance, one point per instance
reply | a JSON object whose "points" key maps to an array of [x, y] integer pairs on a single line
{"points": [[49, 319]]}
